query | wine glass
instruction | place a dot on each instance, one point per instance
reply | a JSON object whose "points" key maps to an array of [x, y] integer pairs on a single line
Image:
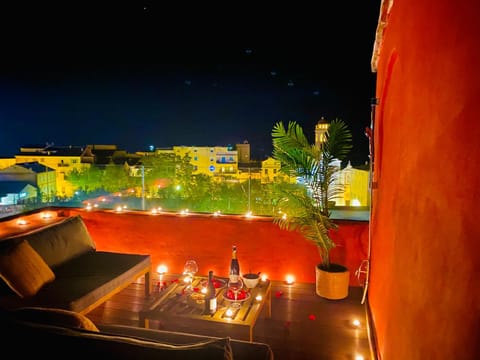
{"points": [[189, 270], [235, 287]]}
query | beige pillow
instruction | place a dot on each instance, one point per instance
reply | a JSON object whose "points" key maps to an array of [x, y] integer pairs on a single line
{"points": [[24, 270], [56, 317]]}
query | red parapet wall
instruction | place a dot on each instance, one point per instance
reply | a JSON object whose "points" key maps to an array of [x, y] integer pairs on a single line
{"points": [[262, 246]]}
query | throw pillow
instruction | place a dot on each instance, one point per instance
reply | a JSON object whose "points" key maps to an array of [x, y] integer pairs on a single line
{"points": [[24, 270], [56, 317]]}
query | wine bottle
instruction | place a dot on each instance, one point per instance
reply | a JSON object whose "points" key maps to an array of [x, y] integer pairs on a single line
{"points": [[210, 296], [234, 266]]}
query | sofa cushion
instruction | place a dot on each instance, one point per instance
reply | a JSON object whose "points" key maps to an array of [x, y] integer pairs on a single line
{"points": [[58, 317], [23, 269], [241, 349], [60, 242], [84, 343]]}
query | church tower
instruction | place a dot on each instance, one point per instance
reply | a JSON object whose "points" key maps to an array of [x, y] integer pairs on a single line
{"points": [[320, 131]]}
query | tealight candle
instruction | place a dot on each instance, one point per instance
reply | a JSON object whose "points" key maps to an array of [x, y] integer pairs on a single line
{"points": [[290, 279]]}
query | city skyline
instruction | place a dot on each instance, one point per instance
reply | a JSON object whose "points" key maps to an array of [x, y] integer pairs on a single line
{"points": [[135, 88]]}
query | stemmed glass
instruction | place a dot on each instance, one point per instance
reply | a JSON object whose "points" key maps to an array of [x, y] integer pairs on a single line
{"points": [[189, 270], [235, 287]]}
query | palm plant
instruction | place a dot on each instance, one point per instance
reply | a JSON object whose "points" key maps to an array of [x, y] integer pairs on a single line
{"points": [[306, 208]]}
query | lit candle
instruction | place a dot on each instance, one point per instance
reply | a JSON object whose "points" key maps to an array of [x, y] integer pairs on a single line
{"points": [[161, 270], [46, 215]]}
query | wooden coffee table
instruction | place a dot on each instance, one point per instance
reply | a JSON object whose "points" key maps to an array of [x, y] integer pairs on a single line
{"points": [[176, 310]]}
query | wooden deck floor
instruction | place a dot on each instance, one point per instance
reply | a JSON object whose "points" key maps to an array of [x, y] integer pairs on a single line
{"points": [[302, 326]]}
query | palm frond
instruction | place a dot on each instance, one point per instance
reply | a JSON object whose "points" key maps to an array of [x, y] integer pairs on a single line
{"points": [[339, 141]]}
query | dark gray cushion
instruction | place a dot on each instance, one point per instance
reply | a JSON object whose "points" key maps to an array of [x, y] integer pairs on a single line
{"points": [[84, 343], [242, 350], [62, 241]]}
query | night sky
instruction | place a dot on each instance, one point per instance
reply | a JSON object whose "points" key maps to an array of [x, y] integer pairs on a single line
{"points": [[139, 74]]}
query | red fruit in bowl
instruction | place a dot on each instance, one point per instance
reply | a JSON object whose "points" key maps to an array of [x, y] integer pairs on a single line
{"points": [[242, 294], [217, 283]]}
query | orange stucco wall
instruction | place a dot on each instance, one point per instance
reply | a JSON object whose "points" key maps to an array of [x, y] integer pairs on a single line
{"points": [[262, 246], [424, 284]]}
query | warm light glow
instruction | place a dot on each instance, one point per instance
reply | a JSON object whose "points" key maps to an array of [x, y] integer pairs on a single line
{"points": [[258, 298], [184, 212], [22, 222], [187, 279], [46, 215], [355, 202], [264, 277], [88, 207], [284, 216], [216, 213], [153, 211], [356, 323], [229, 313], [118, 209], [204, 290], [162, 269], [248, 214], [359, 357], [290, 279]]}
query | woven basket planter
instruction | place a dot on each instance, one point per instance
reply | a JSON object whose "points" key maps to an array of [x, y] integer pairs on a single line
{"points": [[332, 284]]}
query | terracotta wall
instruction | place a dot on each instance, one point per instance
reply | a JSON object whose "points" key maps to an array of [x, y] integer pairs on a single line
{"points": [[262, 246], [424, 284]]}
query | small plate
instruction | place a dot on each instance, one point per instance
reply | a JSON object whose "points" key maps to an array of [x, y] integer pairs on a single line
{"points": [[242, 295]]}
